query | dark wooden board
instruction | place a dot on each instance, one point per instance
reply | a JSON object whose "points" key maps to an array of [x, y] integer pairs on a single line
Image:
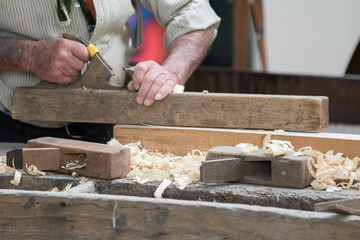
{"points": [[46, 215], [188, 109]]}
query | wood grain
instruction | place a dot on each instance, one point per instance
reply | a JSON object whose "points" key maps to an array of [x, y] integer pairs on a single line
{"points": [[45, 215], [182, 140], [187, 109]]}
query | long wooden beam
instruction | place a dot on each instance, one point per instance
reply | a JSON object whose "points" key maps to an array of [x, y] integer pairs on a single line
{"points": [[342, 91], [186, 109], [46, 215], [183, 140]]}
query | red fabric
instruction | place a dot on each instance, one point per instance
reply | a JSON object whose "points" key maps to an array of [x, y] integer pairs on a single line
{"points": [[153, 45]]}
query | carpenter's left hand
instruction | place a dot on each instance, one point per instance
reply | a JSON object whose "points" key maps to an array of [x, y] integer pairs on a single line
{"points": [[153, 82]]}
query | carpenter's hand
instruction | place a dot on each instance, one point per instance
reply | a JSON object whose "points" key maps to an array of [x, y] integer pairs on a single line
{"points": [[58, 60], [153, 81]]}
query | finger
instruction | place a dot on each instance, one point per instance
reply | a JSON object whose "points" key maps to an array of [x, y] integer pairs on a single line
{"points": [[155, 87], [147, 82], [140, 71], [165, 90], [75, 63], [80, 51], [130, 86], [67, 70]]}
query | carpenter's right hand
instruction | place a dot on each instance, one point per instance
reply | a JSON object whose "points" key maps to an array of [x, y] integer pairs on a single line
{"points": [[58, 60]]}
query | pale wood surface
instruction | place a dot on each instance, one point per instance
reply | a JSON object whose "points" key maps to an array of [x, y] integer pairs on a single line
{"points": [[44, 215], [183, 140], [187, 109]]}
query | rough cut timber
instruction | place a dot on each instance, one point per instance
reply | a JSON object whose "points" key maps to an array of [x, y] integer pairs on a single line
{"points": [[342, 91], [46, 215], [179, 140], [187, 109]]}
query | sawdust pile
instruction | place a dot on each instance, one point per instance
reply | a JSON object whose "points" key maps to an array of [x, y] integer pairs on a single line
{"points": [[154, 166]]}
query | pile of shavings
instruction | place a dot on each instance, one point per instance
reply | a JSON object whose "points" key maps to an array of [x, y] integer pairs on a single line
{"points": [[170, 169], [331, 172], [334, 172]]}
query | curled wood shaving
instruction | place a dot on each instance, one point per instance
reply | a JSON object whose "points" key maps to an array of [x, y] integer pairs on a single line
{"points": [[2, 164], [76, 164], [160, 190], [56, 189], [333, 170], [17, 178], [276, 147], [33, 170]]}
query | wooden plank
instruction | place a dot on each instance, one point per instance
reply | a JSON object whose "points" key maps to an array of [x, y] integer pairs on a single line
{"points": [[183, 140], [342, 91], [240, 58], [299, 199], [186, 109], [44, 215]]}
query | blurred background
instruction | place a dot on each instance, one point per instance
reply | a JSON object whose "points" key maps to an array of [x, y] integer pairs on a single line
{"points": [[292, 47], [300, 36]]}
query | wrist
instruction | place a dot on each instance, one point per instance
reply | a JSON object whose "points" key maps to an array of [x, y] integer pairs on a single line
{"points": [[15, 55]]}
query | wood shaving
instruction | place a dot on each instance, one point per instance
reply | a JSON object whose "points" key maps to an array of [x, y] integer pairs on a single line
{"points": [[154, 166], [178, 89], [83, 180], [276, 147], [33, 170], [247, 147], [160, 190], [17, 178], [333, 170], [76, 164], [56, 189], [2, 164]]}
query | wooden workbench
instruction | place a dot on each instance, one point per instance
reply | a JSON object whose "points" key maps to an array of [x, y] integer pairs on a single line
{"points": [[123, 209]]}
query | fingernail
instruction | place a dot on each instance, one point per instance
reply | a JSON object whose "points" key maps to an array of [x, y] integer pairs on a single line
{"points": [[139, 100], [158, 96], [147, 102]]}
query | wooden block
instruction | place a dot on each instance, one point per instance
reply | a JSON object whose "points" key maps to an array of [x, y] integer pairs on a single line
{"points": [[187, 109], [102, 161], [45, 215], [259, 168], [182, 140]]}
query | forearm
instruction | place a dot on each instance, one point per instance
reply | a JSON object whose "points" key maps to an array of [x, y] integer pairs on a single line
{"points": [[15, 55], [187, 52]]}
